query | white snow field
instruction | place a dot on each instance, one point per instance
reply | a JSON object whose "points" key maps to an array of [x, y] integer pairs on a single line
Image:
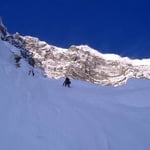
{"points": [[37, 113]]}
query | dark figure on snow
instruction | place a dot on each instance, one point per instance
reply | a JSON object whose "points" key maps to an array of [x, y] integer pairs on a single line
{"points": [[31, 63], [67, 82], [31, 72]]}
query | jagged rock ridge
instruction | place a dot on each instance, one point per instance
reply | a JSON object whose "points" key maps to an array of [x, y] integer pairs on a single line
{"points": [[85, 63], [78, 62], [18, 42]]}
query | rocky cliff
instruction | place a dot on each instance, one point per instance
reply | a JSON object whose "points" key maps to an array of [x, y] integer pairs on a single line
{"points": [[85, 63], [77, 62]]}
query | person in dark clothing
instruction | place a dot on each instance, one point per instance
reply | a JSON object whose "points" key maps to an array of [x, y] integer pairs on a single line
{"points": [[67, 82], [31, 72]]}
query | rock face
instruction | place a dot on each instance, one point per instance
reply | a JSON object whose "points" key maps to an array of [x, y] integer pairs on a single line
{"points": [[85, 63], [3, 29], [77, 62]]}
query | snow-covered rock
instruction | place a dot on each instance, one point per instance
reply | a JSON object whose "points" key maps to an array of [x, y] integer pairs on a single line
{"points": [[3, 29], [85, 63], [37, 113], [77, 62]]}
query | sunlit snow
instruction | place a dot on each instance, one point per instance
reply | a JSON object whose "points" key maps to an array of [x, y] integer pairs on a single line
{"points": [[38, 113]]}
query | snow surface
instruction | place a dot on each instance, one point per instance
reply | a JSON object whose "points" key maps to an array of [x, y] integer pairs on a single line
{"points": [[37, 113]]}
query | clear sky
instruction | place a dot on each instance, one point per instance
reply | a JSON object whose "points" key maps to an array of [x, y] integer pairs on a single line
{"points": [[110, 26]]}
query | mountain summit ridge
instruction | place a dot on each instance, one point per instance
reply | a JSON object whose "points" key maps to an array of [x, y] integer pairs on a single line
{"points": [[78, 62], [84, 63]]}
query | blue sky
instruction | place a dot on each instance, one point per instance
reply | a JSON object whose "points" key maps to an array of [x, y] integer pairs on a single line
{"points": [[111, 26]]}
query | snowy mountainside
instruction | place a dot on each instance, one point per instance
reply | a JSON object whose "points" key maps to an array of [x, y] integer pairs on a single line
{"points": [[38, 113], [85, 63], [77, 62], [7, 60]]}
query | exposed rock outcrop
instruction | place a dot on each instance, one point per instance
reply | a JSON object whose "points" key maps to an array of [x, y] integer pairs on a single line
{"points": [[85, 63], [77, 62], [3, 29]]}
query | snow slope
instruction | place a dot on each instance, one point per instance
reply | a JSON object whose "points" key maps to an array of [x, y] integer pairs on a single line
{"points": [[37, 113]]}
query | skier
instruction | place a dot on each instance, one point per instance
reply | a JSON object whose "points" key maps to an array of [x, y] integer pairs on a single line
{"points": [[67, 82]]}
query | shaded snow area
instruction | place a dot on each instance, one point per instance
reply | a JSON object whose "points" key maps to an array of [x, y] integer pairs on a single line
{"points": [[37, 113]]}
